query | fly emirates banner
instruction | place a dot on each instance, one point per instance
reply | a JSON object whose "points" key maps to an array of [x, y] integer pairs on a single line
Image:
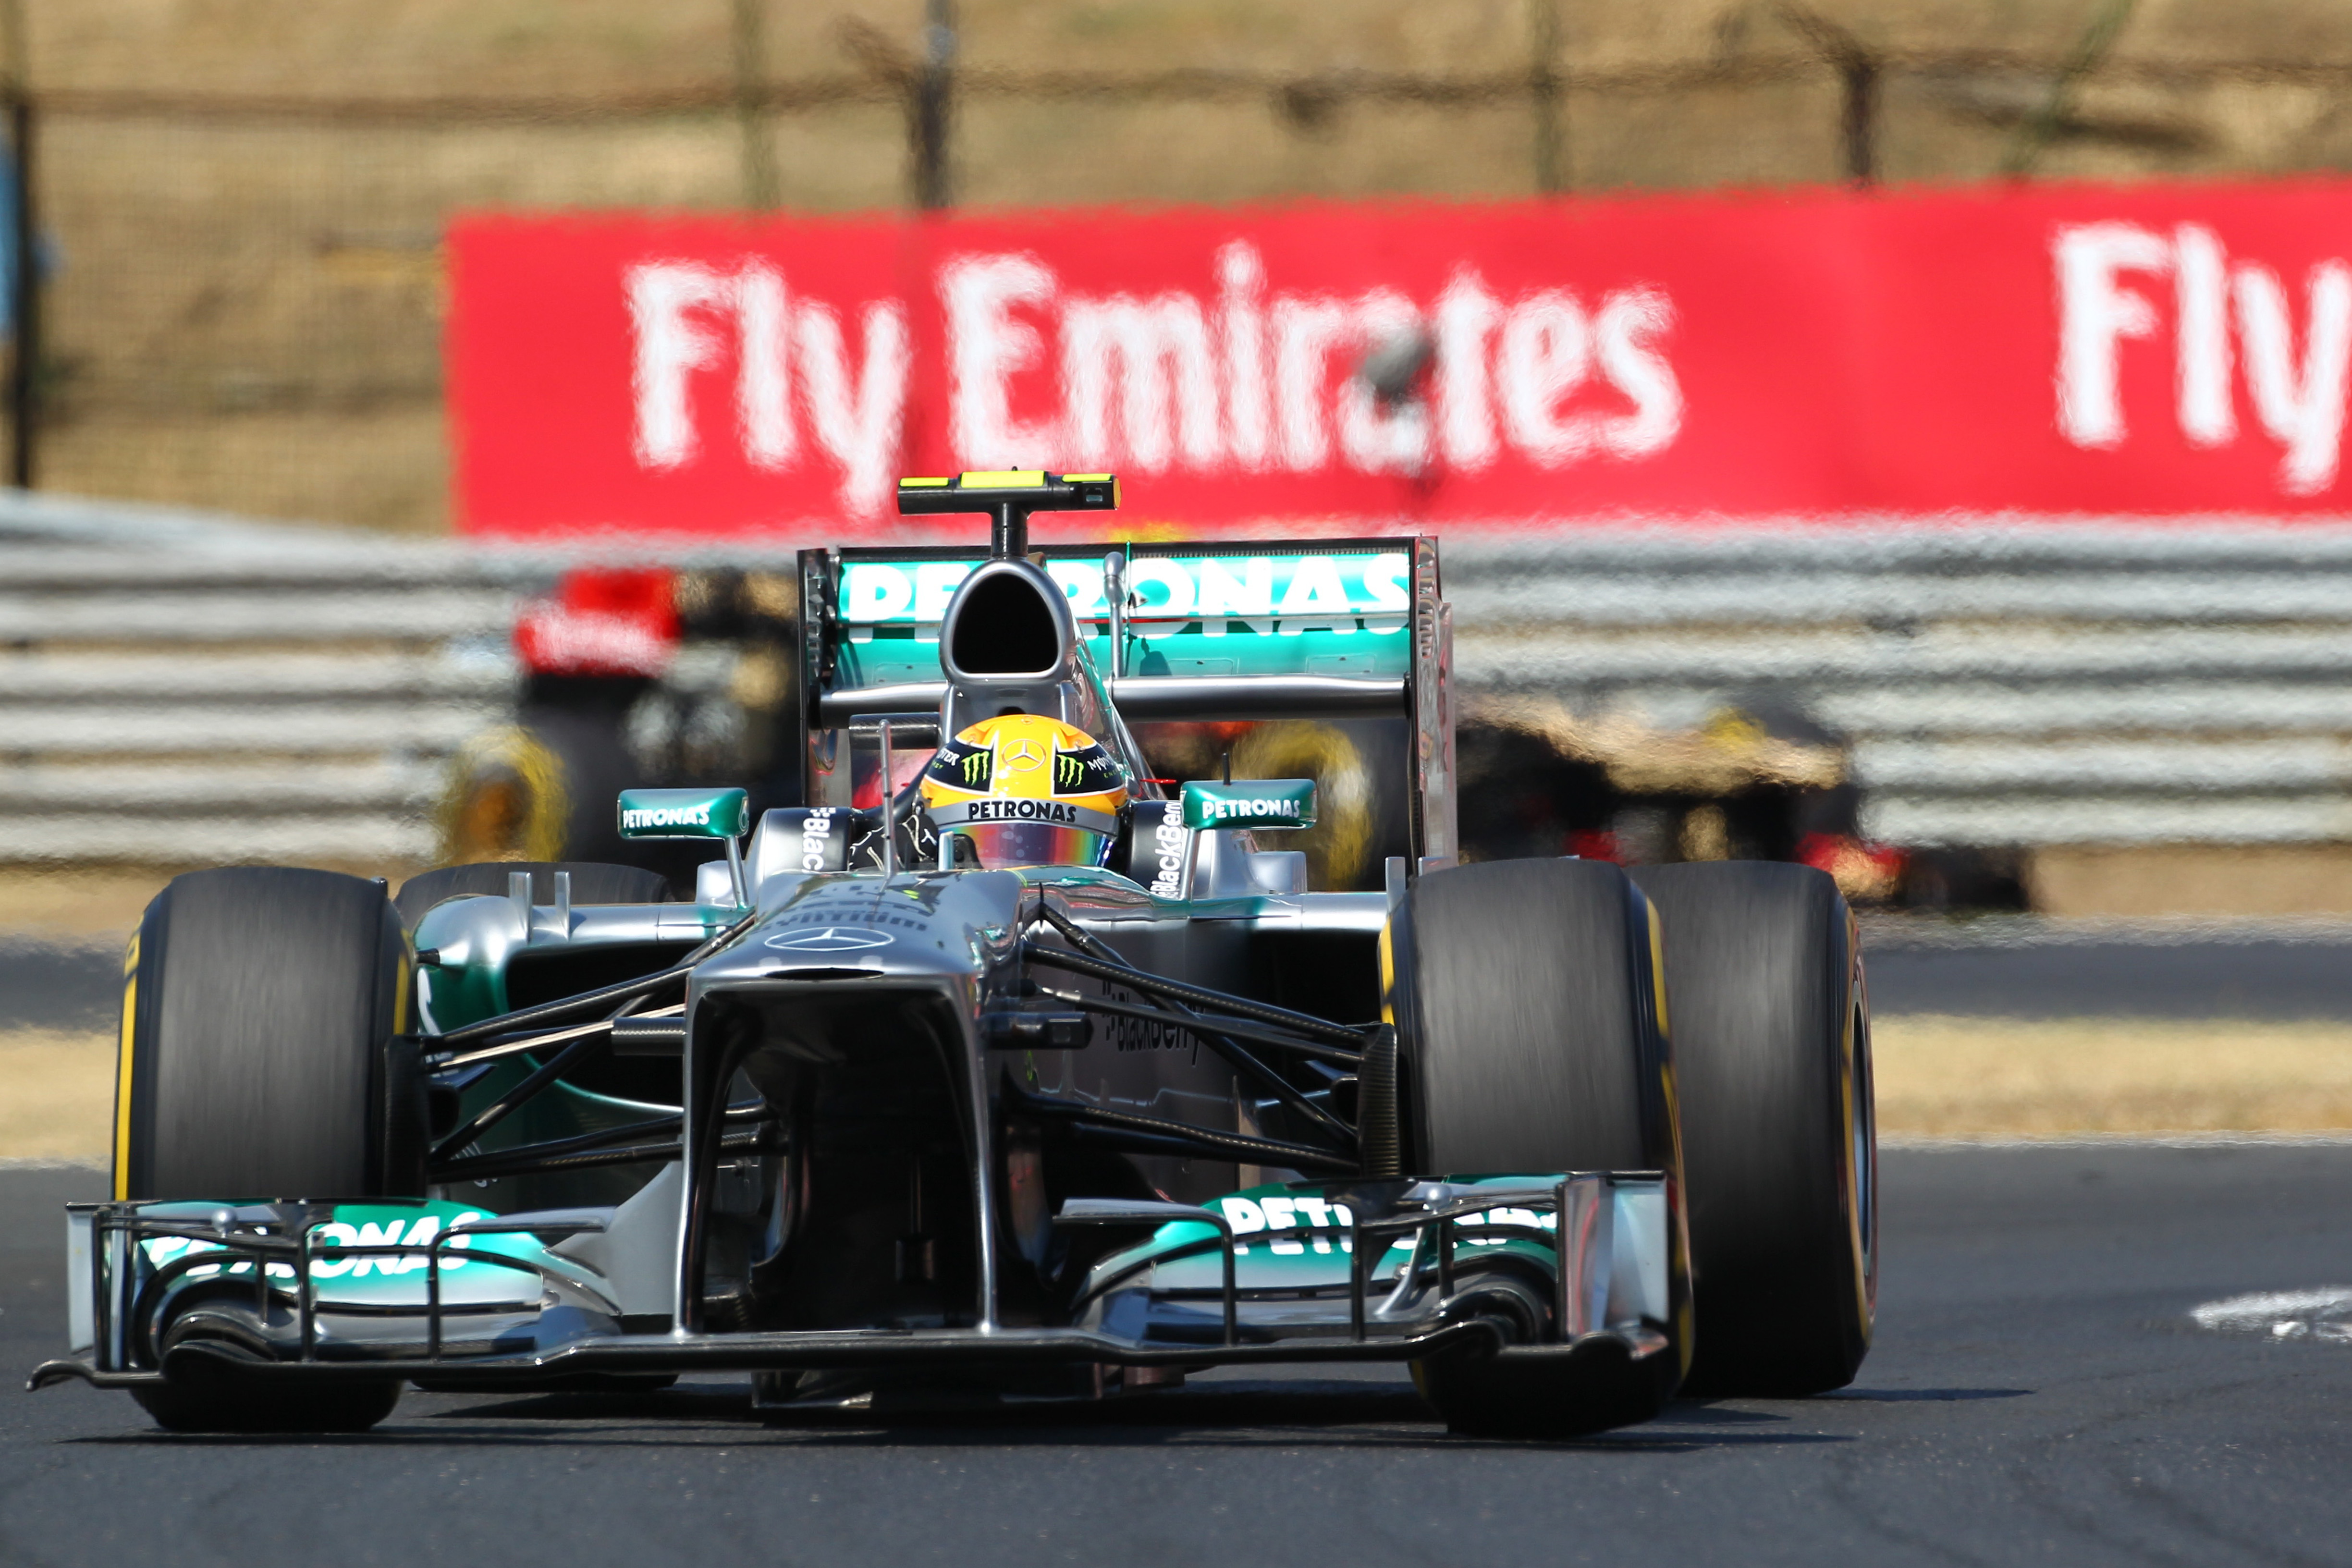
{"points": [[1369, 367]]}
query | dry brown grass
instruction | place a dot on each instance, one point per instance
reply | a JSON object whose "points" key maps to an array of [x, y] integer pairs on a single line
{"points": [[1947, 1077], [2192, 880], [57, 1094], [84, 904], [77, 906]]}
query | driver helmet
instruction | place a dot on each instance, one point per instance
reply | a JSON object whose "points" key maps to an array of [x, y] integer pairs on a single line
{"points": [[1024, 790]]}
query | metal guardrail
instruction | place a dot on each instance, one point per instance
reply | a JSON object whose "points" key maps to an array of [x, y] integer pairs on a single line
{"points": [[1996, 681], [185, 688]]}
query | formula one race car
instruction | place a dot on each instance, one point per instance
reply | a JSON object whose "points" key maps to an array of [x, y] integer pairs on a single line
{"points": [[1029, 1078]]}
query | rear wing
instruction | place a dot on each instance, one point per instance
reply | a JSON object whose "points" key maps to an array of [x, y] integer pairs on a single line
{"points": [[1206, 632]]}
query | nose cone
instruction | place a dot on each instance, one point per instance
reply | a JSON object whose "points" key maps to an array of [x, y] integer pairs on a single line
{"points": [[950, 923]]}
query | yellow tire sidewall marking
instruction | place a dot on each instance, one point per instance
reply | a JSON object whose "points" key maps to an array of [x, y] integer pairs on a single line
{"points": [[124, 1061]]}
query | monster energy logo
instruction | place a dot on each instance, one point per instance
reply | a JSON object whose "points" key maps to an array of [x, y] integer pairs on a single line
{"points": [[975, 767], [1067, 769]]}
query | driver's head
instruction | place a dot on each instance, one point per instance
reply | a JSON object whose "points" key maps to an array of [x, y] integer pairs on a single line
{"points": [[1023, 790]]}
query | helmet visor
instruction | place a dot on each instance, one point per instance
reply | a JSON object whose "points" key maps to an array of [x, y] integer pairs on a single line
{"points": [[999, 846]]}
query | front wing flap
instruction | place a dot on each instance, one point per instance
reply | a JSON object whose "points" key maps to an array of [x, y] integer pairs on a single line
{"points": [[1306, 1271]]}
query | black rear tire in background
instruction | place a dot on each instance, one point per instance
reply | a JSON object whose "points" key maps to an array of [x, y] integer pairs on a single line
{"points": [[593, 882], [257, 1062], [1535, 1046], [1771, 1040]]}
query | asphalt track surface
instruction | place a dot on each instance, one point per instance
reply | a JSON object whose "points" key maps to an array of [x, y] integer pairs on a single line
{"points": [[2038, 1393], [2045, 973], [46, 985]]}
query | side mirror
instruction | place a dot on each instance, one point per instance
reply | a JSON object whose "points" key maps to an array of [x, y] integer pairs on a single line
{"points": [[721, 813], [1250, 802]]}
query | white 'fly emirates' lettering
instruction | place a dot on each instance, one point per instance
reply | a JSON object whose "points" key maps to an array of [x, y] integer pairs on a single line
{"points": [[1237, 378], [2227, 318]]}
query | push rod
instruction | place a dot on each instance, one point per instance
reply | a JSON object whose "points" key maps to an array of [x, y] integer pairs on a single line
{"points": [[484, 1167], [1214, 1032], [652, 1126], [647, 1128], [558, 1010], [1235, 1007], [1221, 1042], [1201, 1023], [527, 1040], [564, 1007], [1264, 1013], [515, 1098], [1190, 1146], [1259, 1151]]}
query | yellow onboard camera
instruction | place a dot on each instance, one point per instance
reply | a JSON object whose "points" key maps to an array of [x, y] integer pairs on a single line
{"points": [[1008, 496]]}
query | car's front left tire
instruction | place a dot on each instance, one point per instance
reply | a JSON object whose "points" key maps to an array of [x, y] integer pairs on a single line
{"points": [[257, 1062]]}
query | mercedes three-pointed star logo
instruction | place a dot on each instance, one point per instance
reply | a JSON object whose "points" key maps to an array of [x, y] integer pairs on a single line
{"points": [[832, 938]]}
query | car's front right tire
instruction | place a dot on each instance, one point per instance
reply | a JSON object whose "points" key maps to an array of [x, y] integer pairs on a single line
{"points": [[1535, 1046]]}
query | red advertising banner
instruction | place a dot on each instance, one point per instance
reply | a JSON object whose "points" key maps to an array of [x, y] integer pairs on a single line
{"points": [[2166, 349]]}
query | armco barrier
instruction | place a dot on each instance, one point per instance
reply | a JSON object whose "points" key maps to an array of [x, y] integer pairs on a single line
{"points": [[182, 690], [1998, 681]]}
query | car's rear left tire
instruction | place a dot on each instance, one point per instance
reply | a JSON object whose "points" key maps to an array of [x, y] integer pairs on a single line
{"points": [[1771, 1039], [1535, 1046], [257, 1061]]}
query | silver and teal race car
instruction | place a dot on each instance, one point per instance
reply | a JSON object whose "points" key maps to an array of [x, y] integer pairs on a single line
{"points": [[894, 1110]]}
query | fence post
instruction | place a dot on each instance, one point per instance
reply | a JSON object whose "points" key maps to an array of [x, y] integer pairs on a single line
{"points": [[2038, 130], [1857, 69], [24, 285], [933, 86], [1546, 95], [751, 102], [1859, 76]]}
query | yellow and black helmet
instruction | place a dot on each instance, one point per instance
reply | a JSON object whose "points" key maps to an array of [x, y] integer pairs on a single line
{"points": [[1026, 790]]}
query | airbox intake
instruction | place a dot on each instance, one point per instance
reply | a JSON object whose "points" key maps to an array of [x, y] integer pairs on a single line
{"points": [[1008, 625]]}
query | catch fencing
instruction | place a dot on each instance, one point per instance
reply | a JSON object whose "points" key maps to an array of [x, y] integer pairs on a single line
{"points": [[241, 299]]}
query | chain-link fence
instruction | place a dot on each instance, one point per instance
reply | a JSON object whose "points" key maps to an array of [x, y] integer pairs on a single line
{"points": [[242, 294]]}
